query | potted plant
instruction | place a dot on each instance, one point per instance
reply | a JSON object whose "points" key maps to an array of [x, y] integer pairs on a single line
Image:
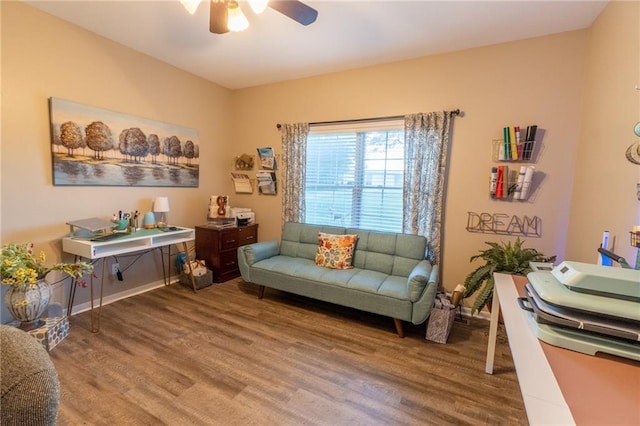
{"points": [[499, 257], [23, 271]]}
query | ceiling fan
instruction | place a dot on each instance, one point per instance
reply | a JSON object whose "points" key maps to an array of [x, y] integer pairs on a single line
{"points": [[226, 15]]}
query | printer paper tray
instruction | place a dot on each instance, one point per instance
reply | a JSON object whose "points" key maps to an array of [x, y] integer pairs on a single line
{"points": [[546, 313]]}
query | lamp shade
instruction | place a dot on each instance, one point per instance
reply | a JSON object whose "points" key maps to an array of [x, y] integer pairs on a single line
{"points": [[236, 21], [258, 6], [190, 5], [161, 204]]}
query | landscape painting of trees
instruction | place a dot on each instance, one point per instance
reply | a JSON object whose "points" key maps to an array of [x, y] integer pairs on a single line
{"points": [[98, 147]]}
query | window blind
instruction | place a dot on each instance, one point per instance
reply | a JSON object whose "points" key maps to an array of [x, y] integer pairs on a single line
{"points": [[354, 175]]}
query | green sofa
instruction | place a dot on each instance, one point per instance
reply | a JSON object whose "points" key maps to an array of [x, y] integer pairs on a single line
{"points": [[390, 276]]}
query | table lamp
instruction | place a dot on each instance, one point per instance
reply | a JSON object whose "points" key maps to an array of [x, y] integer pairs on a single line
{"points": [[161, 206]]}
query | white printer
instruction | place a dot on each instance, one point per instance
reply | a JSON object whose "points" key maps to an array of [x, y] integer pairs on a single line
{"points": [[243, 215]]}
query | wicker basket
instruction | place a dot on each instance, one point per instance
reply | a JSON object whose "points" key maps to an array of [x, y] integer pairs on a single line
{"points": [[201, 282]]}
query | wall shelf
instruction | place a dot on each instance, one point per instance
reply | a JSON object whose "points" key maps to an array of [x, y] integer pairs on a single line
{"points": [[513, 176], [527, 152]]}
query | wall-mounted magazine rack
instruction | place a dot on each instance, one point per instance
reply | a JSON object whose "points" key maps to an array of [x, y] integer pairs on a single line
{"points": [[528, 152], [517, 183]]}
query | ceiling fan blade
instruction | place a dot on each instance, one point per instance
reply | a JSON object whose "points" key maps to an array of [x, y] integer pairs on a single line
{"points": [[295, 10], [218, 17]]}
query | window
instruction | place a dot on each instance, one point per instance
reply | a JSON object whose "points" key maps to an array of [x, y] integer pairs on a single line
{"points": [[354, 175]]}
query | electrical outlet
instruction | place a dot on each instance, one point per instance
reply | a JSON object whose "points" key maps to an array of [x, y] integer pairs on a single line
{"points": [[115, 268]]}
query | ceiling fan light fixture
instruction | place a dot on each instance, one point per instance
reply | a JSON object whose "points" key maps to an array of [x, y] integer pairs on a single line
{"points": [[191, 5], [258, 6], [236, 20]]}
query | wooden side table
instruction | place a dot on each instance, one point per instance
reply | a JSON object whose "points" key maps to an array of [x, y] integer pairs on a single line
{"points": [[218, 247]]}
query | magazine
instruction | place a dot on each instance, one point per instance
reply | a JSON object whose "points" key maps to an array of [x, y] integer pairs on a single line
{"points": [[242, 183], [267, 159], [266, 183]]}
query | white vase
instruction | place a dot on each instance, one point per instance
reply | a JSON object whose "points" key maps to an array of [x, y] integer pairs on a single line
{"points": [[28, 303]]}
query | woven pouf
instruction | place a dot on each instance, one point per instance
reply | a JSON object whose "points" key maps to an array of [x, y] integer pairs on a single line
{"points": [[28, 380]]}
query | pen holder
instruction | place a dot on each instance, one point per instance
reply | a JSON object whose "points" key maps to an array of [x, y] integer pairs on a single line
{"points": [[121, 224], [133, 224]]}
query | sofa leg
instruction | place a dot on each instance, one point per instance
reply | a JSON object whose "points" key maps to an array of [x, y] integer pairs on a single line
{"points": [[399, 329], [260, 291]]}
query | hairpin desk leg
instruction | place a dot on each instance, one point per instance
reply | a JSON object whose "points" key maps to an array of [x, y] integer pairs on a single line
{"points": [[95, 316], [72, 290], [167, 267]]}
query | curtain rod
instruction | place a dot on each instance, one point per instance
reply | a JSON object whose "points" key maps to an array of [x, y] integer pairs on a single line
{"points": [[363, 120]]}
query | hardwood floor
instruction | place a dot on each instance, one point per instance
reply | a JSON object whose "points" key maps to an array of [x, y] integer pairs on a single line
{"points": [[224, 357]]}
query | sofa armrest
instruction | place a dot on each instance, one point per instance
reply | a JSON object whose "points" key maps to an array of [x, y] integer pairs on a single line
{"points": [[252, 253], [420, 276], [422, 284], [256, 252]]}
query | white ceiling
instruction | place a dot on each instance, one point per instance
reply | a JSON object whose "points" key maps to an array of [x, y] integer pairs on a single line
{"points": [[346, 35]]}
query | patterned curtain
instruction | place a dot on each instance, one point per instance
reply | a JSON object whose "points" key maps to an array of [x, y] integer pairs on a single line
{"points": [[426, 138], [294, 153]]}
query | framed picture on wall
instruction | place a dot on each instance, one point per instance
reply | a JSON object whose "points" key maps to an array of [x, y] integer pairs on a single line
{"points": [[96, 147]]}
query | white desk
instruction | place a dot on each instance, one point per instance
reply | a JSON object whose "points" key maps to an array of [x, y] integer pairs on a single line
{"points": [[143, 239], [540, 391], [559, 386]]}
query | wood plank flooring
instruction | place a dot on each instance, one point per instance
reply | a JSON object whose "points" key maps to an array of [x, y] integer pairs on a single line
{"points": [[224, 357]]}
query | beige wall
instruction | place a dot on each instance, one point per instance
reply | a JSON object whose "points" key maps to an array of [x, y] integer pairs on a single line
{"points": [[44, 57], [605, 182], [539, 81]]}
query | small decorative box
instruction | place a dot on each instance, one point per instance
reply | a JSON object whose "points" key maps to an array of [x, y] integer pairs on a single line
{"points": [[52, 332]]}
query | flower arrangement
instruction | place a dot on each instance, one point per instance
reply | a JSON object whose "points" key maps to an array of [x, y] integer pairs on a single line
{"points": [[20, 267]]}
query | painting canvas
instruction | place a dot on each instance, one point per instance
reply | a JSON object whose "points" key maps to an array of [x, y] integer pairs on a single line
{"points": [[98, 147]]}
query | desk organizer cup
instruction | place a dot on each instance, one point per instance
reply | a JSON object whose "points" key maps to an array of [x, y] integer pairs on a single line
{"points": [[133, 224], [121, 224]]}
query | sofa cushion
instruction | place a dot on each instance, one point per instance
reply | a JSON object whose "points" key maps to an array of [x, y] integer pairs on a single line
{"points": [[335, 251], [301, 240], [355, 279], [387, 252]]}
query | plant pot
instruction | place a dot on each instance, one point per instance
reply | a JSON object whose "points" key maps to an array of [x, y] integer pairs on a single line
{"points": [[28, 303]]}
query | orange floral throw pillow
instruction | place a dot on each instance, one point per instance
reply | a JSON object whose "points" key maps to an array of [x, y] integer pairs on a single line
{"points": [[335, 251]]}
